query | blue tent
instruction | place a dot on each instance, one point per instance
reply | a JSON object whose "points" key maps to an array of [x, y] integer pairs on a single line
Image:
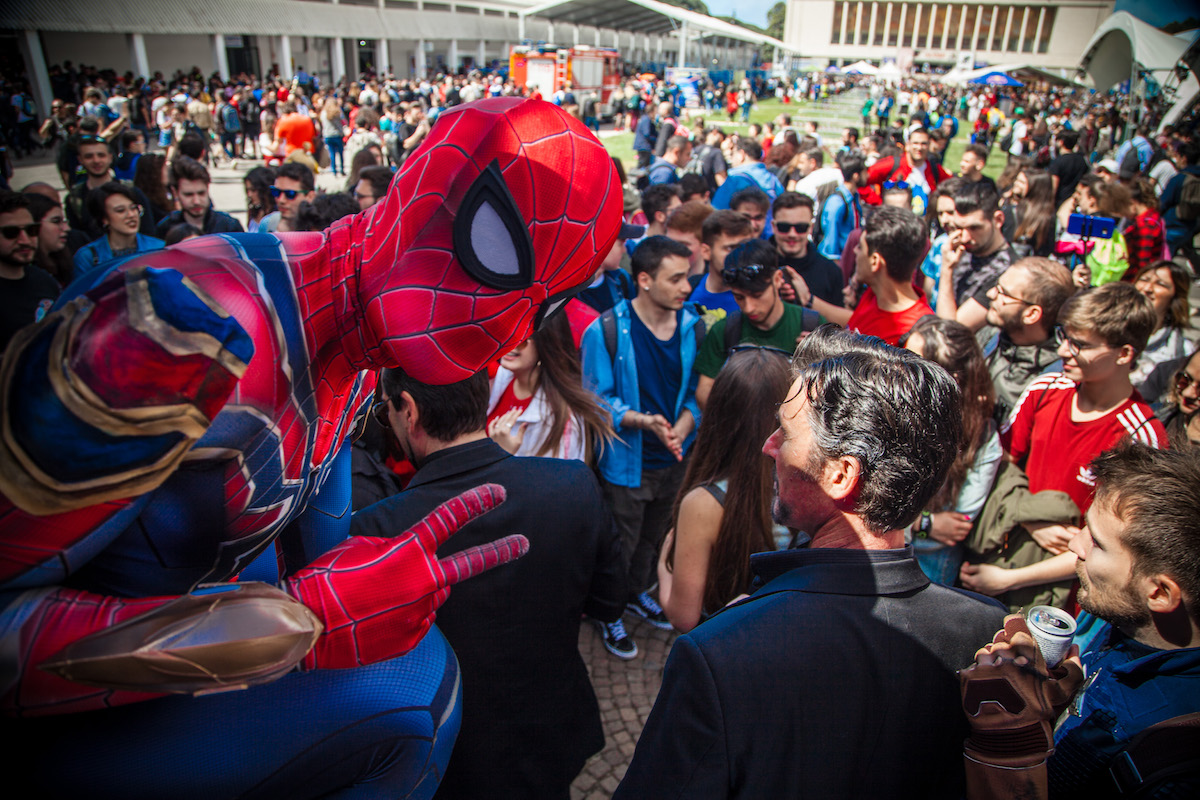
{"points": [[995, 79]]}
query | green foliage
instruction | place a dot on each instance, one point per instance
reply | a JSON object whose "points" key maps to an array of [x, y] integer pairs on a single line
{"points": [[775, 18]]}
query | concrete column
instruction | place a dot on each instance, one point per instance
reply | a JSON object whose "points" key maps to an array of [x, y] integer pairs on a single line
{"points": [[900, 32], [481, 55], [575, 34], [383, 57], [35, 68], [1037, 36], [219, 56], [916, 24], [962, 27], [338, 59], [681, 60], [137, 55], [549, 31], [845, 21], [285, 57], [887, 24], [1007, 30], [521, 26], [946, 30], [452, 57], [596, 36], [975, 34], [1021, 30], [871, 24], [422, 66]]}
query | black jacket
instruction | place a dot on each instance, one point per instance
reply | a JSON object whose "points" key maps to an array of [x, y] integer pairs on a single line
{"points": [[214, 222], [530, 717]]}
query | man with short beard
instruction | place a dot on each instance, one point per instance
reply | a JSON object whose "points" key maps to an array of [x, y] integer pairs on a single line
{"points": [[1140, 636], [26, 291], [974, 258], [1024, 306], [97, 159]]}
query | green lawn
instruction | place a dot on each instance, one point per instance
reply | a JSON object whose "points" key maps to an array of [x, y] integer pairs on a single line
{"points": [[831, 117]]}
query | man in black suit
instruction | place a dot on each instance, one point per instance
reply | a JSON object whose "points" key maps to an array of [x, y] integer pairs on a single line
{"points": [[836, 678], [530, 718]]}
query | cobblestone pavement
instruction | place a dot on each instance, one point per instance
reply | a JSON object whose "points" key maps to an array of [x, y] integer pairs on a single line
{"points": [[626, 692]]}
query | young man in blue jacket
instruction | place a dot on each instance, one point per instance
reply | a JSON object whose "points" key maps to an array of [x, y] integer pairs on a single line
{"points": [[638, 359]]}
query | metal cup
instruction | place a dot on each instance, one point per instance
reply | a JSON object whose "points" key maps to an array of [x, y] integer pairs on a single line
{"points": [[1052, 629]]}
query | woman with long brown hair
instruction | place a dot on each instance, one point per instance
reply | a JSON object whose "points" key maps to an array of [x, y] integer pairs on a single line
{"points": [[539, 406], [1033, 215], [723, 510], [150, 175], [940, 530]]}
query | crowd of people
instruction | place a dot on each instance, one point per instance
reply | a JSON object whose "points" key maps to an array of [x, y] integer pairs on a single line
{"points": [[1032, 358]]}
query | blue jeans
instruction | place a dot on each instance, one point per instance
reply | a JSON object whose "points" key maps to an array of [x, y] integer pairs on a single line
{"points": [[337, 154], [940, 562]]}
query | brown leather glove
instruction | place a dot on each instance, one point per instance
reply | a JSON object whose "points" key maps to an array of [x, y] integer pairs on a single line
{"points": [[1012, 699]]}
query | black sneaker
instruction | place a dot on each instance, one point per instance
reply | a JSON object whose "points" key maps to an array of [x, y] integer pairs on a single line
{"points": [[648, 609], [616, 640]]}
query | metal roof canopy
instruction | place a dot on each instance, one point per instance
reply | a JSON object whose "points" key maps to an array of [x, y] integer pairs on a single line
{"points": [[645, 16]]}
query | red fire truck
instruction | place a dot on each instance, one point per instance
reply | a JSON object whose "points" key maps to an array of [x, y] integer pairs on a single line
{"points": [[549, 68]]}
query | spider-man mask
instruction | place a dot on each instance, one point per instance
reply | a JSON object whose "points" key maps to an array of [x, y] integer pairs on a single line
{"points": [[503, 213]]}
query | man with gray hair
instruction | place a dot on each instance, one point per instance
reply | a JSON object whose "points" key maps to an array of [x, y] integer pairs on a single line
{"points": [[836, 678]]}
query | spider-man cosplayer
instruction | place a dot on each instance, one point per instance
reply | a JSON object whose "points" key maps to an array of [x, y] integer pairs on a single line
{"points": [[184, 410]]}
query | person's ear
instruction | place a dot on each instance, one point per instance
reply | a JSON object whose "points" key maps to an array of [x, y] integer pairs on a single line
{"points": [[407, 408], [1126, 354], [1032, 315], [841, 476], [877, 263], [705, 252], [777, 279], [1163, 594]]}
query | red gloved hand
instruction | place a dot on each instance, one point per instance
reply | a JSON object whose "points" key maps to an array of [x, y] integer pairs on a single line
{"points": [[377, 597], [1012, 699]]}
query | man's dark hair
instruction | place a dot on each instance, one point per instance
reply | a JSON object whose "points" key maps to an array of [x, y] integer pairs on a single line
{"points": [[446, 412], [753, 195], [793, 200], [692, 184], [192, 145], [1068, 139], [657, 198], [180, 231], [15, 201], [977, 150], [130, 137], [750, 147], [816, 155], [899, 237], [97, 197], [297, 172], [740, 263], [379, 177], [936, 135], [851, 164], [724, 222], [324, 210], [649, 254], [1156, 494], [184, 168], [972, 197], [1190, 149], [854, 134], [895, 413]]}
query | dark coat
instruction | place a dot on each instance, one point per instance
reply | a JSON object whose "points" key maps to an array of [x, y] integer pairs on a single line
{"points": [[214, 222], [530, 717], [834, 680]]}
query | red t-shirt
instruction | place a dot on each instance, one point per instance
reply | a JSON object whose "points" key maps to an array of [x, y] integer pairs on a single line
{"points": [[295, 130], [870, 320], [1055, 451], [507, 402]]}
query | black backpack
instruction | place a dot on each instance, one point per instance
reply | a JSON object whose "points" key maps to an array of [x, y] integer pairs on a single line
{"points": [[608, 326]]}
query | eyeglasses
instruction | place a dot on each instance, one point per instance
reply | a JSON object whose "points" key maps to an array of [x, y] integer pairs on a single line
{"points": [[379, 410], [1074, 347], [1002, 292], [739, 348], [289, 193], [88, 138], [1183, 381], [788, 227], [13, 231], [746, 273]]}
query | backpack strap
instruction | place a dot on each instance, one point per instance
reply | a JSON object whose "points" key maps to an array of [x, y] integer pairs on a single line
{"points": [[733, 330], [1163, 751], [608, 326]]}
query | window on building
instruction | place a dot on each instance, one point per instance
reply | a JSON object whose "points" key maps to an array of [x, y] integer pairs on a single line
{"points": [[909, 19], [972, 14], [1047, 24], [956, 14], [1030, 37], [835, 37], [1001, 19], [863, 17], [893, 37], [1014, 28], [939, 24], [880, 12], [923, 28]]}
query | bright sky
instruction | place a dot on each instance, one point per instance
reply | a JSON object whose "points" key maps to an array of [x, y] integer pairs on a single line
{"points": [[752, 11]]}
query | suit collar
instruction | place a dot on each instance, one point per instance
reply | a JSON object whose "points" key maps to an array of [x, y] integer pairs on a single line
{"points": [[837, 571], [458, 459]]}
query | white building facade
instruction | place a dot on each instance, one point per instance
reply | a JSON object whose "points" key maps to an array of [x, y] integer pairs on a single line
{"points": [[1049, 34]]}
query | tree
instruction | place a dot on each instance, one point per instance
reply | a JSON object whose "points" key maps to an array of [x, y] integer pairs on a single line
{"points": [[775, 18]]}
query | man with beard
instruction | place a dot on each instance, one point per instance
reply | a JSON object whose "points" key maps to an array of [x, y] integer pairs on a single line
{"points": [[974, 258], [1024, 305], [26, 291], [97, 160], [1140, 635]]}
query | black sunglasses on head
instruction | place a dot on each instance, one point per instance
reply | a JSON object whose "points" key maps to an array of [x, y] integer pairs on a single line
{"points": [[750, 272], [13, 231]]}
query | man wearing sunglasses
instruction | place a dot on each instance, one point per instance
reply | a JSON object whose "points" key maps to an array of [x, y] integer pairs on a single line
{"points": [[793, 213], [26, 291], [293, 185]]}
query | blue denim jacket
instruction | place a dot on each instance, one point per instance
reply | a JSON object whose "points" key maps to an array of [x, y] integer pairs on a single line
{"points": [[615, 382]]}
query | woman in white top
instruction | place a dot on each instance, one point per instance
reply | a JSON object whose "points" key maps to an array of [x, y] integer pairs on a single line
{"points": [[539, 406]]}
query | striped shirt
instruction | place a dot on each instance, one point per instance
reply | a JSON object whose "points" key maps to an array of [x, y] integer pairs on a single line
{"points": [[1055, 451]]}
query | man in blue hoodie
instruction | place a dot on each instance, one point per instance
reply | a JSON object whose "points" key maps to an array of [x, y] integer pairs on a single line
{"points": [[748, 170]]}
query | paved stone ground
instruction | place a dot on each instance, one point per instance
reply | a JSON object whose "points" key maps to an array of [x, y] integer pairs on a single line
{"points": [[626, 692]]}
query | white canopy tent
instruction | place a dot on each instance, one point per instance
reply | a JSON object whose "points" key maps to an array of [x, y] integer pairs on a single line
{"points": [[862, 68]]}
